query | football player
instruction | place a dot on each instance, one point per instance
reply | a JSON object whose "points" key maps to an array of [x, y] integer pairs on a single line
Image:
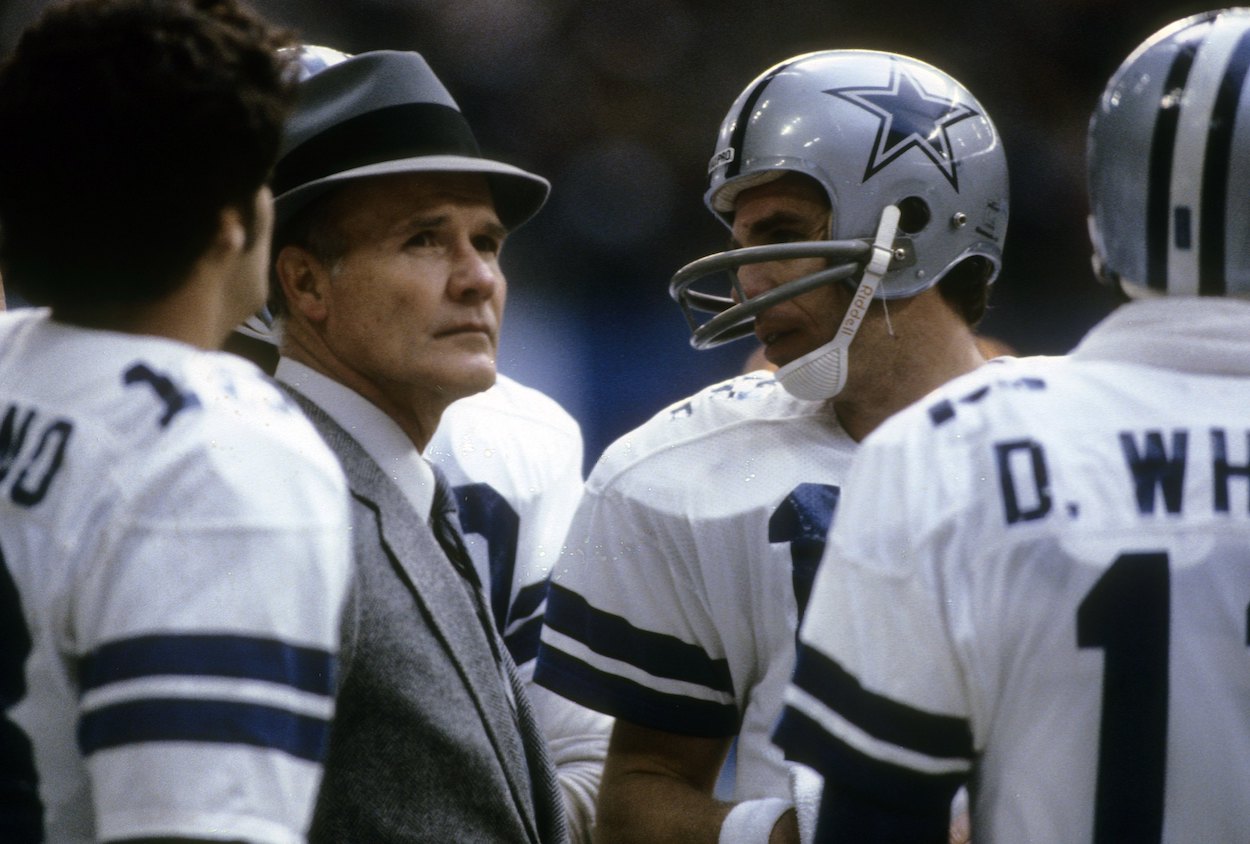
{"points": [[1039, 584], [868, 194], [173, 533]]}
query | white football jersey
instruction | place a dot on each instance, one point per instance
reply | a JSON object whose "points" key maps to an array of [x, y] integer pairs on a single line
{"points": [[674, 606], [1040, 581], [175, 560], [514, 457]]}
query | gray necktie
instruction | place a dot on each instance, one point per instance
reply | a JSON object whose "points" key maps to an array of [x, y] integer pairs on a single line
{"points": [[548, 802]]}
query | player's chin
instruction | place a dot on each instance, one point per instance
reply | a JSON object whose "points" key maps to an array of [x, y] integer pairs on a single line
{"points": [[788, 346]]}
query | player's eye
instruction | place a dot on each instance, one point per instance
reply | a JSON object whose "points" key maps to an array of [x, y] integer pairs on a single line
{"points": [[488, 244], [420, 240], [785, 235]]}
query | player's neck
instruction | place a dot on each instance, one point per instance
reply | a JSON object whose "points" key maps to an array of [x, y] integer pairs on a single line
{"points": [[196, 313], [921, 355], [219, 290]]}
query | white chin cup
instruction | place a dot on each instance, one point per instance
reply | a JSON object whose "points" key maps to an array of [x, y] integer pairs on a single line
{"points": [[818, 375], [821, 373]]}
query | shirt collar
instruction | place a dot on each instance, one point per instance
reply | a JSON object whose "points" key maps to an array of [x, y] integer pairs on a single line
{"points": [[1203, 335], [377, 433]]}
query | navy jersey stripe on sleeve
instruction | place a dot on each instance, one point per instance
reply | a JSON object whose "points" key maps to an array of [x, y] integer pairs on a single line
{"points": [[614, 637], [209, 721], [848, 815], [522, 642], [574, 679], [937, 736], [528, 600], [806, 742], [241, 657]]}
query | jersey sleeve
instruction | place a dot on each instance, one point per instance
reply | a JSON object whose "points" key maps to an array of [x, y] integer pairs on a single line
{"points": [[543, 532], [877, 704], [514, 457], [626, 632], [204, 640]]}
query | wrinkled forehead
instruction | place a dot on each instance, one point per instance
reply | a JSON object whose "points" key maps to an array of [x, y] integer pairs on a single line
{"points": [[382, 202]]}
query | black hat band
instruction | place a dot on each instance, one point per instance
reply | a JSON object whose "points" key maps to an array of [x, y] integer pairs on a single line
{"points": [[411, 130]]}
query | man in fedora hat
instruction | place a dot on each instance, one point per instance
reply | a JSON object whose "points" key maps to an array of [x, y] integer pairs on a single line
{"points": [[389, 226]]}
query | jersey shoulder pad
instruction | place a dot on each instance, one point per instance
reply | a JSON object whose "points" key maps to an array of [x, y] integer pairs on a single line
{"points": [[509, 404], [228, 428], [963, 403], [721, 416]]}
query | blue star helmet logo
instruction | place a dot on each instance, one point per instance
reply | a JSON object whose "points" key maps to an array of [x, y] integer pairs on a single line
{"points": [[910, 117]]}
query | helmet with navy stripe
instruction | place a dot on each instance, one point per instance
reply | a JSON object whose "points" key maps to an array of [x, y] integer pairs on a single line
{"points": [[1168, 154], [875, 130]]}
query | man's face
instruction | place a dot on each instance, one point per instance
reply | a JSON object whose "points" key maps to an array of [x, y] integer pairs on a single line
{"points": [[415, 304], [789, 209]]}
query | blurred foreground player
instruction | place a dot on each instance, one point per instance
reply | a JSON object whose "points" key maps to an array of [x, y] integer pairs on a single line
{"points": [[867, 257], [1041, 584], [173, 552]]}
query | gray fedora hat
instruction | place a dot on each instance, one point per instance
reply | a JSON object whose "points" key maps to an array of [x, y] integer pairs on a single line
{"points": [[382, 113]]}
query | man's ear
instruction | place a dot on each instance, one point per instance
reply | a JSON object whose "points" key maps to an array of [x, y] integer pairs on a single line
{"points": [[232, 231], [304, 281]]}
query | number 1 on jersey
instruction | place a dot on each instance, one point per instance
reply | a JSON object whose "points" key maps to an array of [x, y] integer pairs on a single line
{"points": [[803, 519], [1128, 615]]}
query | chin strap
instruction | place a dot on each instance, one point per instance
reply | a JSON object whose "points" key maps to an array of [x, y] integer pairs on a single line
{"points": [[821, 373]]}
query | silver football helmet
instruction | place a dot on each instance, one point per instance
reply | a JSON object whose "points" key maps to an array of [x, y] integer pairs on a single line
{"points": [[1168, 159], [876, 130], [311, 59]]}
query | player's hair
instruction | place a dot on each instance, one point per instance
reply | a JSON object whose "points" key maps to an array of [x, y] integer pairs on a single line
{"points": [[966, 288], [128, 126]]}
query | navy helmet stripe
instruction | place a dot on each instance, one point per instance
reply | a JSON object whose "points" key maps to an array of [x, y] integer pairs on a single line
{"points": [[744, 117], [1163, 144], [209, 655], [1212, 246]]}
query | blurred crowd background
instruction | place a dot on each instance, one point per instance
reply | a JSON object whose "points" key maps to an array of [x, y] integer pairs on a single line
{"points": [[618, 104]]}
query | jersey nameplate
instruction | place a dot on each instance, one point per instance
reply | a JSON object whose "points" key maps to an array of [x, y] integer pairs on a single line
{"points": [[31, 451]]}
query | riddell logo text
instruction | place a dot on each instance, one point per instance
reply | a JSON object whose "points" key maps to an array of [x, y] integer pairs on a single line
{"points": [[858, 308]]}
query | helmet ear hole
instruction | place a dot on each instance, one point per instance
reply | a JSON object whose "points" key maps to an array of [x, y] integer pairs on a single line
{"points": [[913, 214]]}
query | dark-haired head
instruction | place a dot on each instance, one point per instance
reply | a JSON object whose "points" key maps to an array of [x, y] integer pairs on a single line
{"points": [[129, 125]]}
